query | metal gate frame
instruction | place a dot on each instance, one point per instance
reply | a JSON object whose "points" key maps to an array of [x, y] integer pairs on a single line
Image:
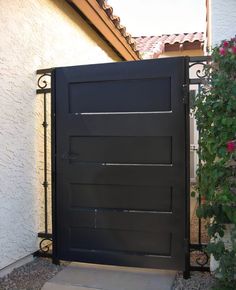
{"points": [[47, 238]]}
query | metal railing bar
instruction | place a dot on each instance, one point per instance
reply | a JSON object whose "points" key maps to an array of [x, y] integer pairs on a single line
{"points": [[44, 71], [45, 183], [200, 268], [197, 81], [45, 235], [199, 58], [43, 91]]}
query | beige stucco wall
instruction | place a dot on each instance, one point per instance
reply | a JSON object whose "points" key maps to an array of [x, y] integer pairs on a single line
{"points": [[34, 34], [196, 52]]}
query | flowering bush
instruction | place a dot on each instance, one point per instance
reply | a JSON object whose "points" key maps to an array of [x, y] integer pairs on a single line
{"points": [[215, 108], [231, 146]]}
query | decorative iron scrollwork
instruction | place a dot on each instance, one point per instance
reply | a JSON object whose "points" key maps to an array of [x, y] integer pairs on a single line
{"points": [[43, 81], [199, 257], [44, 89], [45, 247], [200, 73]]}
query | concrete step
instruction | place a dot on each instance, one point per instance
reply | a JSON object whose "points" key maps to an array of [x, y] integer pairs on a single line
{"points": [[81, 276]]}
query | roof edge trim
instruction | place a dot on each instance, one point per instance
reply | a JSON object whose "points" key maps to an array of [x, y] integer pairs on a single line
{"points": [[99, 19]]}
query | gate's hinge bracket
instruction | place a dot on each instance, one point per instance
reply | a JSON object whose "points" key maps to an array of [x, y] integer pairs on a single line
{"points": [[185, 94]]}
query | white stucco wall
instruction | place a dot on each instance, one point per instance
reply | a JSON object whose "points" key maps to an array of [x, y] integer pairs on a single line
{"points": [[223, 15], [34, 34]]}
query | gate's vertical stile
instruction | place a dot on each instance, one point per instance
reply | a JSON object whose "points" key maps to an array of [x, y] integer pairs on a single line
{"points": [[199, 258], [45, 183], [44, 88], [186, 273]]}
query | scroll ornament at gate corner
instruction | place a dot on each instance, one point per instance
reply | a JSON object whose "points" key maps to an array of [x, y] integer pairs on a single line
{"points": [[44, 81], [45, 245]]}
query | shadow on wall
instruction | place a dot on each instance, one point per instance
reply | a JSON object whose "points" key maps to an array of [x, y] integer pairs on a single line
{"points": [[75, 16]]}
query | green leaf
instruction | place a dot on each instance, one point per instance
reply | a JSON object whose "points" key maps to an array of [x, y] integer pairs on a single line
{"points": [[193, 194]]}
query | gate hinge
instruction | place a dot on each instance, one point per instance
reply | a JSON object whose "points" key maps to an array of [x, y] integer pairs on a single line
{"points": [[185, 93]]}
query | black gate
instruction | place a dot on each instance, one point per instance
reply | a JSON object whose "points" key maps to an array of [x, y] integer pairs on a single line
{"points": [[121, 162]]}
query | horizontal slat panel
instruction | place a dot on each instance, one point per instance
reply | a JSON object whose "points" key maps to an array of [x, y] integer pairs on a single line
{"points": [[122, 197], [79, 218], [160, 223], [94, 239], [123, 259], [124, 175], [122, 71], [160, 124], [121, 149], [120, 96]]}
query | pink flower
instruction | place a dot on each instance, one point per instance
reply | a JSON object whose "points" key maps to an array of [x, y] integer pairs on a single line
{"points": [[203, 199], [234, 49], [225, 44], [222, 51], [231, 146]]}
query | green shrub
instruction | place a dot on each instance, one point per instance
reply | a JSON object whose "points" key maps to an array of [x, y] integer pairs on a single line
{"points": [[215, 110]]}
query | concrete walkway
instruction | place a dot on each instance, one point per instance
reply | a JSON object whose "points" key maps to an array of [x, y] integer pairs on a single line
{"points": [[80, 276]]}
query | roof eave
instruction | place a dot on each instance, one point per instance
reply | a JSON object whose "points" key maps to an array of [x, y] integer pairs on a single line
{"points": [[98, 19]]}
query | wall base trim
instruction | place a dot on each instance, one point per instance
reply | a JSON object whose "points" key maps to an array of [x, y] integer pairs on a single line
{"points": [[8, 269]]}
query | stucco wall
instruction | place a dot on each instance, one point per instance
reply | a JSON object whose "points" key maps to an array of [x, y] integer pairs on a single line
{"points": [[196, 52], [34, 34], [223, 16]]}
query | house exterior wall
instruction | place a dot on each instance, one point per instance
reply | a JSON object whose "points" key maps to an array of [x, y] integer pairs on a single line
{"points": [[34, 34], [196, 52], [223, 20]]}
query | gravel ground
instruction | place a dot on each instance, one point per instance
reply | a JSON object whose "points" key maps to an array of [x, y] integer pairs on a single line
{"points": [[35, 274], [198, 281], [31, 276]]}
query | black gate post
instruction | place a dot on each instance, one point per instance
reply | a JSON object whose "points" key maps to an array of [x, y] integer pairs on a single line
{"points": [[44, 82], [55, 260], [186, 273], [198, 80]]}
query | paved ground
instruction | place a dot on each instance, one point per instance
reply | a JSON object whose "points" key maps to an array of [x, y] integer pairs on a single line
{"points": [[80, 276]]}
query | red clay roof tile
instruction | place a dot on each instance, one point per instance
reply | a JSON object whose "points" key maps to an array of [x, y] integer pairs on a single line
{"points": [[156, 44], [116, 20]]}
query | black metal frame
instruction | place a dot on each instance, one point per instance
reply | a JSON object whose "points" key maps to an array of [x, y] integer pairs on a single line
{"points": [[186, 273], [46, 90], [44, 83], [202, 258]]}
